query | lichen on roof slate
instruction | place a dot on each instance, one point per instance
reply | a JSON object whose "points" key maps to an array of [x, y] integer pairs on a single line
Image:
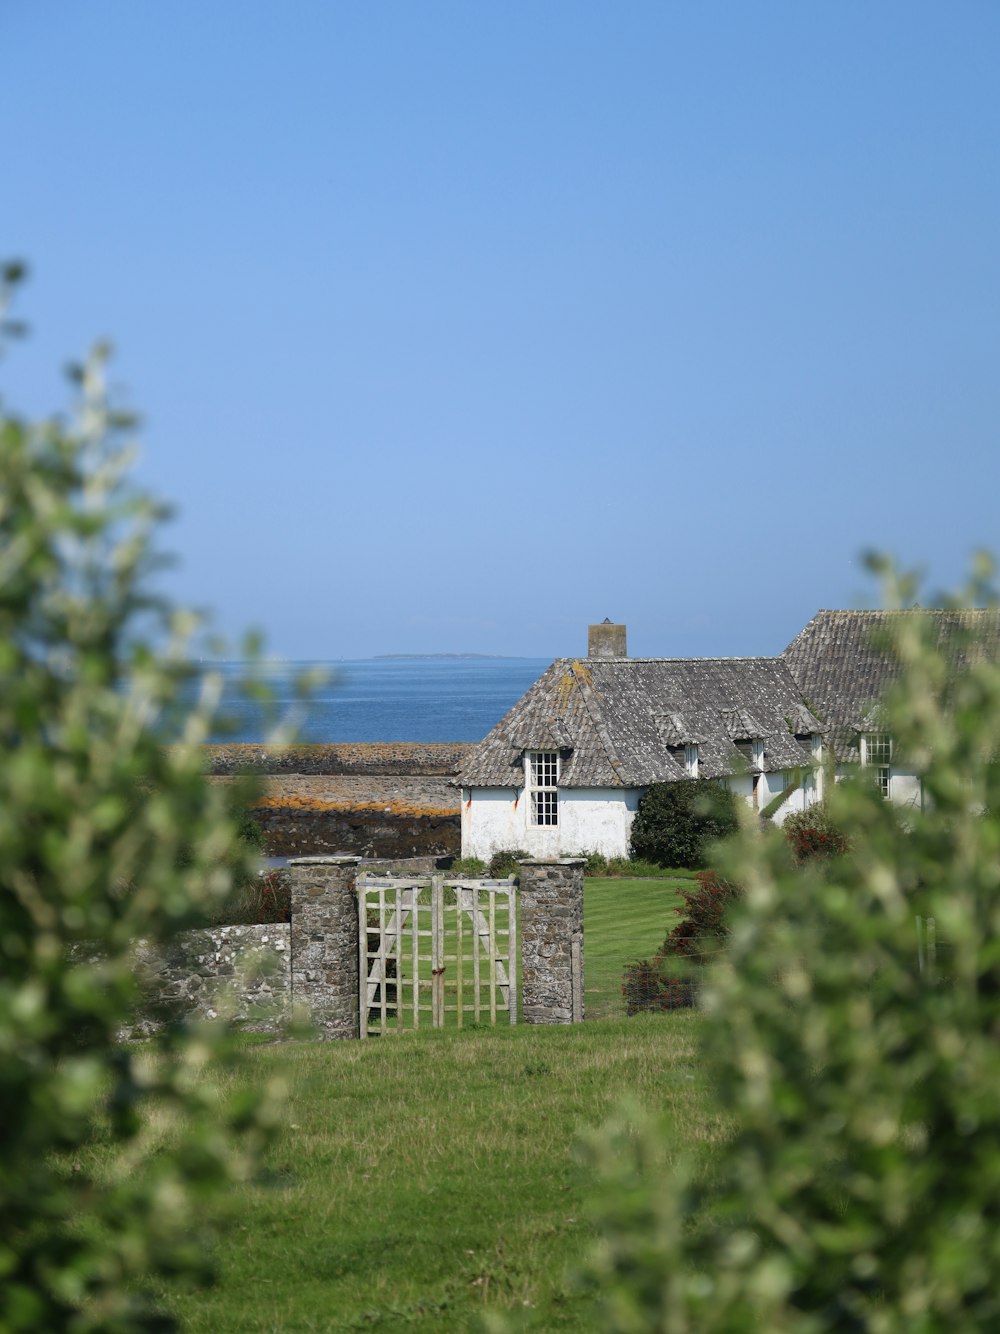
{"points": [[844, 661], [614, 721]]}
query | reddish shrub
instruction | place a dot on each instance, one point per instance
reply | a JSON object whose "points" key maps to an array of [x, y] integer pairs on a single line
{"points": [[812, 834], [648, 984], [264, 899]]}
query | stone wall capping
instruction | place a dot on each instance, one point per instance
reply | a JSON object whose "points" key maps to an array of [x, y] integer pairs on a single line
{"points": [[326, 859], [553, 861]]}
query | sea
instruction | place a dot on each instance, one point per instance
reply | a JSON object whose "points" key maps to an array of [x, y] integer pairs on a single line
{"points": [[375, 699]]}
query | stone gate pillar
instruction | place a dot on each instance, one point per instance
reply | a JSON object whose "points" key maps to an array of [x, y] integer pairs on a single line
{"points": [[551, 907], [324, 944]]}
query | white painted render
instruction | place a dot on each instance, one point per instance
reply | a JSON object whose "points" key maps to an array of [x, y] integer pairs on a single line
{"points": [[590, 820], [905, 786]]}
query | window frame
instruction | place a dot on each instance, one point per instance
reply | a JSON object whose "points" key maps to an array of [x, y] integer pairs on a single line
{"points": [[687, 757], [542, 768], [752, 750], [876, 753]]}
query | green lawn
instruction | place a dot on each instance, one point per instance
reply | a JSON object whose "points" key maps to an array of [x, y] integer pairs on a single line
{"points": [[425, 1178], [623, 920]]}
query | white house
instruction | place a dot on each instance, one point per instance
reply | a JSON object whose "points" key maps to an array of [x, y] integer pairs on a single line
{"points": [[563, 771], [844, 663]]}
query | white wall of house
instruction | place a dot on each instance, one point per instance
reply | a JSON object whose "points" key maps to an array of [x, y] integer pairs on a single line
{"points": [[905, 787], [774, 783], [590, 820], [769, 785]]}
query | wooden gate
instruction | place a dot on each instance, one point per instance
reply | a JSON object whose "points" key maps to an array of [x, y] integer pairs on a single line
{"points": [[435, 953]]}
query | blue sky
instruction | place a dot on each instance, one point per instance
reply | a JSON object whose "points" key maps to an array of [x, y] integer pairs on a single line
{"points": [[455, 326]]}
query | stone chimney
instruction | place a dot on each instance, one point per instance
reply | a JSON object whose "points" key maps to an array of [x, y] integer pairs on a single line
{"points": [[606, 641]]}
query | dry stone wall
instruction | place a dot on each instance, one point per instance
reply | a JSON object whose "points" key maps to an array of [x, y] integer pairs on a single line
{"points": [[373, 800], [379, 759], [254, 973], [551, 907], [241, 971], [325, 943], [301, 829]]}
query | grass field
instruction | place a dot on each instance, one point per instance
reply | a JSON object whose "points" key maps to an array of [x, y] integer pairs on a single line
{"points": [[424, 1179], [623, 920]]}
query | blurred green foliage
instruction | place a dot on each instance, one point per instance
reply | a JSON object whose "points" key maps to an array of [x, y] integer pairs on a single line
{"points": [[105, 836], [859, 1188]]}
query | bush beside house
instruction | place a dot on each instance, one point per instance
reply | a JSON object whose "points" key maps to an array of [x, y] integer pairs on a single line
{"points": [[677, 822]]}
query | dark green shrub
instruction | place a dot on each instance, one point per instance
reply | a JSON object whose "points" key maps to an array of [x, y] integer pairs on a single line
{"points": [[677, 822], [506, 862], [647, 986], [249, 830], [633, 869], [594, 863]]}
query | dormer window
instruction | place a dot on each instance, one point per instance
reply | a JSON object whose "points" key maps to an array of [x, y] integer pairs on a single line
{"points": [[687, 758], [752, 751], [543, 783], [876, 753]]}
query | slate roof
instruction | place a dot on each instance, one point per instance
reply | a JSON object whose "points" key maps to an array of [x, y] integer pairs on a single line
{"points": [[844, 662], [614, 721]]}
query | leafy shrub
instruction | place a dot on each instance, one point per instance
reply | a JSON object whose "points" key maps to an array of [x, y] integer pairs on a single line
{"points": [[647, 986], [91, 803], [594, 863], [676, 822], [855, 1186], [260, 899], [814, 833], [657, 984], [473, 867], [633, 869], [704, 923], [506, 862], [249, 830]]}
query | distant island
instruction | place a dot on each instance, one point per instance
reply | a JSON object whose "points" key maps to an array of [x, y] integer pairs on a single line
{"points": [[425, 657]]}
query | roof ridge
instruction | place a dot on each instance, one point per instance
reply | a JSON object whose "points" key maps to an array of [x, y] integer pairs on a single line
{"points": [[718, 657], [900, 611]]}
